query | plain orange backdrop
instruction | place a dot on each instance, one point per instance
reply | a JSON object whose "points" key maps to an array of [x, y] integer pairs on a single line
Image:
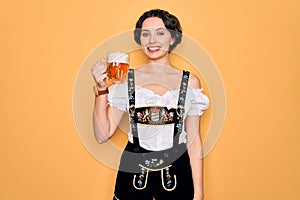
{"points": [[255, 45]]}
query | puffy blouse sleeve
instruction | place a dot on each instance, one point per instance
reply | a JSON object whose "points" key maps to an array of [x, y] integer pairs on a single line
{"points": [[197, 101], [118, 96]]}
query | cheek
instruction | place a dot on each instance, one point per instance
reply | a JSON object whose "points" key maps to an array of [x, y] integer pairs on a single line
{"points": [[143, 45], [143, 41], [165, 40]]}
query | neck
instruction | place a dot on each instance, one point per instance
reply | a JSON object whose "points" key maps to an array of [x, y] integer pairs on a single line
{"points": [[161, 61]]}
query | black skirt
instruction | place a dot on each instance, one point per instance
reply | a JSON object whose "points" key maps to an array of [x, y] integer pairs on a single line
{"points": [[156, 178]]}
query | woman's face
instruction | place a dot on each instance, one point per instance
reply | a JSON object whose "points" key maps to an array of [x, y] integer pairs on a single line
{"points": [[155, 38]]}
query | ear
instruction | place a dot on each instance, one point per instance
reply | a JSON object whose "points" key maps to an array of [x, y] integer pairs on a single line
{"points": [[172, 41]]}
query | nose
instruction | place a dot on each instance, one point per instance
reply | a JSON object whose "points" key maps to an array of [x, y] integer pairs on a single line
{"points": [[152, 38]]}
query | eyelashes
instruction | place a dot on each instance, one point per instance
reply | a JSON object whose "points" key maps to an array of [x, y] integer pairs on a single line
{"points": [[158, 34]]}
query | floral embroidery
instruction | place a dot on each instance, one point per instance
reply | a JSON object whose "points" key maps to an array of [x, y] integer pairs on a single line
{"points": [[154, 162], [168, 178]]}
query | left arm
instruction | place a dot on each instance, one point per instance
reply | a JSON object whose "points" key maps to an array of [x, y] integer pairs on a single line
{"points": [[194, 144], [192, 124]]}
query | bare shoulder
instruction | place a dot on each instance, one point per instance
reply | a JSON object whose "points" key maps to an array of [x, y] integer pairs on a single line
{"points": [[194, 81]]}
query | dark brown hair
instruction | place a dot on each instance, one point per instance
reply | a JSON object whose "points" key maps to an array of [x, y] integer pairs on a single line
{"points": [[171, 23]]}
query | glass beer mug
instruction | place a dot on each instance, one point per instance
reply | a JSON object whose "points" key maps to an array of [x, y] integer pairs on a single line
{"points": [[118, 64]]}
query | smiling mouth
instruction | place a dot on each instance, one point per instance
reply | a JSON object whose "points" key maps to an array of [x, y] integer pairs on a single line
{"points": [[153, 49]]}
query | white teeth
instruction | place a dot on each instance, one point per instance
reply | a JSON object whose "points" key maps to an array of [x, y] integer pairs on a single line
{"points": [[153, 48]]}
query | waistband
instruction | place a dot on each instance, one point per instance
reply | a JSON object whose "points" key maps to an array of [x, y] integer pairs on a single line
{"points": [[134, 156]]}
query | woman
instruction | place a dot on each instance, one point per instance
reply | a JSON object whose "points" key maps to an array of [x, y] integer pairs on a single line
{"points": [[164, 105]]}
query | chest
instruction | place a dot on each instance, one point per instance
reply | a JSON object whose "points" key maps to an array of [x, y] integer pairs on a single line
{"points": [[145, 96]]}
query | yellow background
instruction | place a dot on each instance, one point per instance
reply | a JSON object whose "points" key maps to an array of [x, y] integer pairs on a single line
{"points": [[255, 45]]}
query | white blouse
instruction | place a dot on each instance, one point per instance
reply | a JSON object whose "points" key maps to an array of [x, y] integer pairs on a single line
{"points": [[157, 137]]}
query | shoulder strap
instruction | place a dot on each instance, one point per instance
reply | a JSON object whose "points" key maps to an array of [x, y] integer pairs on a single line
{"points": [[180, 107], [131, 97]]}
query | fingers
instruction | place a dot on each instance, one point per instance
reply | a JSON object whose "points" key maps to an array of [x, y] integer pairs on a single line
{"points": [[101, 78], [99, 71], [100, 66]]}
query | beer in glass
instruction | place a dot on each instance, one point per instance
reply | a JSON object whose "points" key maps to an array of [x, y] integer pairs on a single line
{"points": [[118, 64]]}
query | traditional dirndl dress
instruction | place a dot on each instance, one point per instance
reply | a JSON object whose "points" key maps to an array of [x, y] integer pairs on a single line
{"points": [[163, 174]]}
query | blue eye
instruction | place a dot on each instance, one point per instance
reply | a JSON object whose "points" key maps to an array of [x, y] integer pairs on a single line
{"points": [[145, 34], [161, 33]]}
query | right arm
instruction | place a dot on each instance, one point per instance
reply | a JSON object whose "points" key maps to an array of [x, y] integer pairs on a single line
{"points": [[105, 118]]}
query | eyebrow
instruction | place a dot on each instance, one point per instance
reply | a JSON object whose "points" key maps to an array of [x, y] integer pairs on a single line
{"points": [[155, 29]]}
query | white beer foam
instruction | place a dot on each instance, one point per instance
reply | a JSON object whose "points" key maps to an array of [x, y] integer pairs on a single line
{"points": [[118, 57]]}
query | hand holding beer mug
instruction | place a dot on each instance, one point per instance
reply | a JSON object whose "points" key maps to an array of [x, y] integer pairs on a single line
{"points": [[99, 74], [118, 64]]}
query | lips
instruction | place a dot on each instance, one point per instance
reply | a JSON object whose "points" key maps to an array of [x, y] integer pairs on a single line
{"points": [[153, 49]]}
